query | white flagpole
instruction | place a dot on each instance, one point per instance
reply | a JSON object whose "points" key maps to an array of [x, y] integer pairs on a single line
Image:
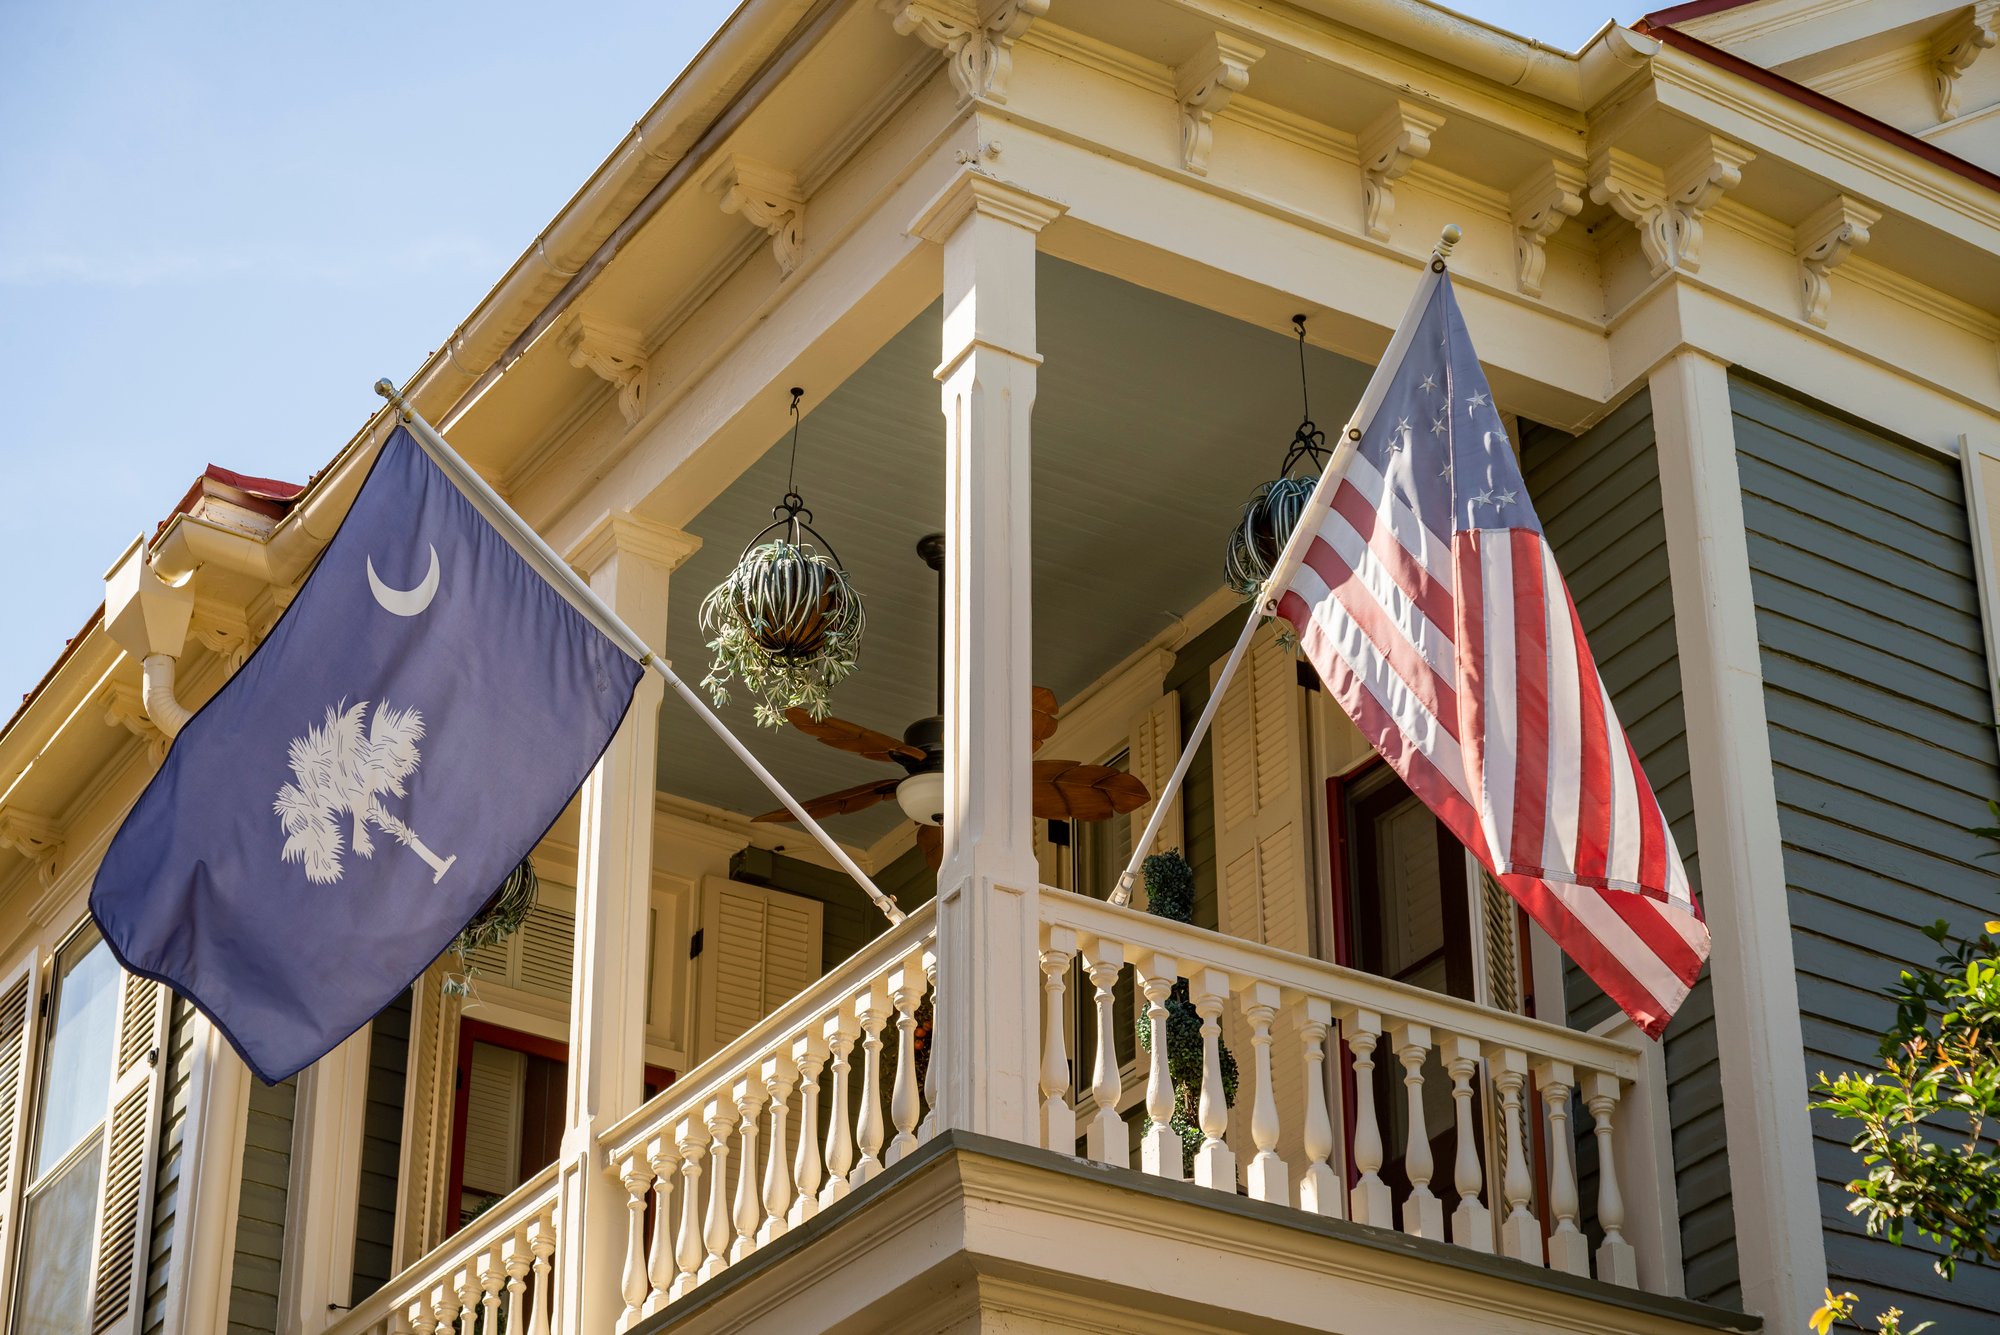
{"points": [[1266, 602], [568, 583]]}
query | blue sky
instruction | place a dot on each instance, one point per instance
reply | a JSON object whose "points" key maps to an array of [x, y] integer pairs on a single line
{"points": [[221, 222]]}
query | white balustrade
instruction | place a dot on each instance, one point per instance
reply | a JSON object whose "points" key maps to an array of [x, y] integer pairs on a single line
{"points": [[906, 992], [637, 1178], [664, 1162], [871, 1011], [501, 1262], [779, 1077], [689, 1250], [749, 1210], [1487, 1056], [715, 1227], [809, 1056], [841, 1032]]}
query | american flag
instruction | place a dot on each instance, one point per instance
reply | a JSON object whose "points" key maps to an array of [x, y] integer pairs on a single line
{"points": [[1428, 599]]}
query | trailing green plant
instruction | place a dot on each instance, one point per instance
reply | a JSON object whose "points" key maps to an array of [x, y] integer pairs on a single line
{"points": [[1929, 1121], [498, 919], [1170, 894], [787, 624]]}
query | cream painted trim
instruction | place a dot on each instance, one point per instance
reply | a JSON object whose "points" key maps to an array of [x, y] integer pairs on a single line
{"points": [[1773, 1184], [322, 1197], [198, 1269], [1979, 462]]}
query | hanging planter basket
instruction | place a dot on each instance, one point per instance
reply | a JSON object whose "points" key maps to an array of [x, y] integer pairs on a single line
{"points": [[501, 917], [1273, 510], [786, 623]]}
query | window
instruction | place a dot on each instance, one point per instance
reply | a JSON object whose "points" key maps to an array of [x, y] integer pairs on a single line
{"points": [[65, 1161]]}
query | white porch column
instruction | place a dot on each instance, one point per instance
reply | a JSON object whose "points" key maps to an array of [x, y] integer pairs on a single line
{"points": [[1779, 1247], [322, 1198], [627, 561], [987, 888], [204, 1250]]}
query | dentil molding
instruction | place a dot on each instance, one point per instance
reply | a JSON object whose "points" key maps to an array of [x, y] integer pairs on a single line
{"points": [[1540, 206], [1204, 82], [613, 353], [1827, 237], [768, 197], [977, 37], [1389, 147]]}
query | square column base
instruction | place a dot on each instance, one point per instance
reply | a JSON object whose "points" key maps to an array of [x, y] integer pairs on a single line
{"points": [[1269, 1179], [1215, 1166], [1423, 1215], [1472, 1226], [1108, 1141], [1161, 1155]]}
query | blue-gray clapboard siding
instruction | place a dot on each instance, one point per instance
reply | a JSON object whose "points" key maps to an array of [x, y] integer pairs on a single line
{"points": [[260, 1208], [1875, 683], [167, 1179], [1599, 498], [381, 1147]]}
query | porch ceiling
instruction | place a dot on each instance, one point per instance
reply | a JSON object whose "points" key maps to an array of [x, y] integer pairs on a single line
{"points": [[1153, 421]]}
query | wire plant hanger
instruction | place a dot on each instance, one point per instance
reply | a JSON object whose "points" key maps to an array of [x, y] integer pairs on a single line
{"points": [[787, 621], [1273, 510]]}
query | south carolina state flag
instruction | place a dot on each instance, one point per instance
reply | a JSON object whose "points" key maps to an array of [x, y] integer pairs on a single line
{"points": [[346, 803]]}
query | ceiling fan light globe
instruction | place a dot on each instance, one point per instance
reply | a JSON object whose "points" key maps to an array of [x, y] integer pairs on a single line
{"points": [[922, 798]]}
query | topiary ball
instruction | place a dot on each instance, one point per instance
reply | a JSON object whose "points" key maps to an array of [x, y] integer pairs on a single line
{"points": [[1169, 886]]}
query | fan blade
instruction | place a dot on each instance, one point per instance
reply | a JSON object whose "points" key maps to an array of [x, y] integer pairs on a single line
{"points": [[1068, 790], [847, 800], [930, 838], [844, 736], [1042, 709]]}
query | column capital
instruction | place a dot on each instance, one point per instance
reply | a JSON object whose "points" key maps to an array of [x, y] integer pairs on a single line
{"points": [[973, 192], [622, 532]]}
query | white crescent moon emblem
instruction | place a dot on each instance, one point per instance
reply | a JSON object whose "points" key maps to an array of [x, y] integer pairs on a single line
{"points": [[405, 602]]}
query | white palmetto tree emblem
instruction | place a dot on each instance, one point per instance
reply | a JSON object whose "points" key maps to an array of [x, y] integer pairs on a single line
{"points": [[341, 771]]}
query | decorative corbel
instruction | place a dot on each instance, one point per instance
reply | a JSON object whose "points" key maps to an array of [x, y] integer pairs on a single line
{"points": [[1694, 183], [614, 353], [768, 197], [1827, 237], [1667, 208], [35, 838], [1541, 204], [1969, 31], [224, 634], [977, 37], [1389, 147], [123, 708], [1204, 82]]}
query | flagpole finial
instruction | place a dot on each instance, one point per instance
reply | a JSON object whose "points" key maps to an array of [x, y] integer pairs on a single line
{"points": [[1447, 239], [387, 389]]}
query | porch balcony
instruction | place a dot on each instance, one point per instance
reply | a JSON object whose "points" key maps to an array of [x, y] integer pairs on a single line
{"points": [[750, 1179]]}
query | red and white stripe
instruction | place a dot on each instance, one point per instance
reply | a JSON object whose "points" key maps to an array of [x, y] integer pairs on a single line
{"points": [[1465, 665]]}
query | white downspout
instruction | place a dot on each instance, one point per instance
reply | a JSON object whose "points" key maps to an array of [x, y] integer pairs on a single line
{"points": [[148, 617], [156, 694]]}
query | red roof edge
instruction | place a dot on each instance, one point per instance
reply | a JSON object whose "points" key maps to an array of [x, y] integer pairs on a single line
{"points": [[1693, 9], [1818, 101]]}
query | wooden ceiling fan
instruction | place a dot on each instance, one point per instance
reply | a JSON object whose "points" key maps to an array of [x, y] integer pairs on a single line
{"points": [[1062, 789]]}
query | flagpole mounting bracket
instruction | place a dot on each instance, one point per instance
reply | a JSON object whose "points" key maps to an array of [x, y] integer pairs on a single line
{"points": [[1447, 239]]}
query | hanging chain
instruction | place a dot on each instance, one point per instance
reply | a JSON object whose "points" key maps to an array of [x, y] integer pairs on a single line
{"points": [[1308, 442]]}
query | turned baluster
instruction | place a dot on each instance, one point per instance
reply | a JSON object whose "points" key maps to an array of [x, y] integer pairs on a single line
{"points": [[749, 1211], [779, 1076], [1214, 1162], [1319, 1190], [1058, 1118], [1106, 1140], [491, 1277], [660, 1157], [1423, 1212], [1471, 1222], [1267, 1176], [445, 1303], [423, 1320], [691, 1142], [840, 1034], [542, 1246], [720, 1119], [466, 1281], [1569, 1250], [634, 1175], [1160, 1150], [516, 1259], [871, 1011], [1368, 1200], [906, 993], [809, 1057], [929, 1126], [1616, 1261], [1520, 1234]]}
